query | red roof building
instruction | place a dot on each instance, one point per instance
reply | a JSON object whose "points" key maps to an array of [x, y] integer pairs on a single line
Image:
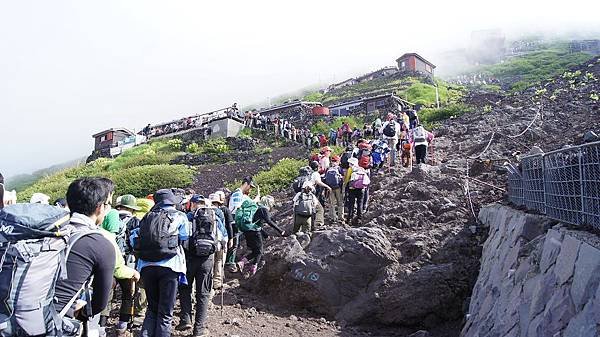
{"points": [[415, 62]]}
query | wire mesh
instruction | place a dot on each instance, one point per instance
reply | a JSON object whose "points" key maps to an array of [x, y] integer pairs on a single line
{"points": [[590, 181], [515, 188], [532, 168], [562, 183]]}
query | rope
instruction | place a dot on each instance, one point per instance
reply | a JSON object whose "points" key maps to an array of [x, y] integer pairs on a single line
{"points": [[527, 128], [486, 148], [468, 191]]}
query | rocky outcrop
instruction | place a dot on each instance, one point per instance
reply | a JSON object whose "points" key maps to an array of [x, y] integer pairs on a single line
{"points": [[536, 279]]}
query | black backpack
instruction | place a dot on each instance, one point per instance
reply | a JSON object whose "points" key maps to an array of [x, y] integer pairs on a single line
{"points": [[158, 236], [390, 129], [344, 160], [304, 176], [204, 226]]}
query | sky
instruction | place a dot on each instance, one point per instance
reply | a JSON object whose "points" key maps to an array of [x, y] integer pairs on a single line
{"points": [[69, 69]]}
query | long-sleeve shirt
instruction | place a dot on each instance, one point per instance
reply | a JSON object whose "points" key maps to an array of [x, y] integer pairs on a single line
{"points": [[229, 222], [177, 262], [262, 216], [92, 255]]}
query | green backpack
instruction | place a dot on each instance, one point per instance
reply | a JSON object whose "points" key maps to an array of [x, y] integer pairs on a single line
{"points": [[244, 216]]}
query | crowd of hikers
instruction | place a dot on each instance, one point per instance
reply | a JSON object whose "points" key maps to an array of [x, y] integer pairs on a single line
{"points": [[61, 260], [342, 182], [155, 250]]}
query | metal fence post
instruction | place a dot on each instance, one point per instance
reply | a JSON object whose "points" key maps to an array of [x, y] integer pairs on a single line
{"points": [[581, 189]]}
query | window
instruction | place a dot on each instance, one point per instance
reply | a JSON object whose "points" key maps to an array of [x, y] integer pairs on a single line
{"points": [[102, 139], [403, 64]]}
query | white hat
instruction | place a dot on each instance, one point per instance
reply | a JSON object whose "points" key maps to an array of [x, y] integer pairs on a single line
{"points": [[353, 161], [39, 198], [221, 196], [10, 197], [307, 183]]}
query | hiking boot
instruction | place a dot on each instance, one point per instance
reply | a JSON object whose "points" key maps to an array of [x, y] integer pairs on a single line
{"points": [[250, 271], [185, 323], [242, 264], [231, 267]]}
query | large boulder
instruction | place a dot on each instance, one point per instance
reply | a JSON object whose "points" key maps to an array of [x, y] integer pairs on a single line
{"points": [[334, 269]]}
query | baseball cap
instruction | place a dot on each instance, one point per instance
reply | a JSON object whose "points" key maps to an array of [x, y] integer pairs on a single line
{"points": [[196, 198]]}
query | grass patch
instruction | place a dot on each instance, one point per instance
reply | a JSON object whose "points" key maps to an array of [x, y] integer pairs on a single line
{"points": [[430, 116], [324, 127], [530, 69]]}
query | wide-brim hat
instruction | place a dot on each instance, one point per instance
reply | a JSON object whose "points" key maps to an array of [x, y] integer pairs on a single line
{"points": [[166, 197], [128, 201]]}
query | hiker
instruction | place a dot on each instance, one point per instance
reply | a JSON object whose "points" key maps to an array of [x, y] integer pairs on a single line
{"points": [[43, 244], [405, 146], [378, 154], [357, 180], [305, 206], [320, 186], [161, 260], [225, 232], [377, 127], [334, 179], [413, 119], [391, 131], [405, 119], [200, 254], [92, 255], [39, 198], [324, 159], [235, 201], [125, 276], [347, 130], [250, 218], [332, 137], [420, 140], [129, 207]]}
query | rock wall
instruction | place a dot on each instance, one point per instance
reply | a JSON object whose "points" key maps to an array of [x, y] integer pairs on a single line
{"points": [[537, 278]]}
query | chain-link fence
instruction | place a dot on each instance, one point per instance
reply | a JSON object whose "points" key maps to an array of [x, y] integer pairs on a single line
{"points": [[532, 168], [590, 183], [564, 184]]}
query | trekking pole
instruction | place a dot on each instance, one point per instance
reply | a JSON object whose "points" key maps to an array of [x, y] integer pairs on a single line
{"points": [[222, 291], [132, 309]]}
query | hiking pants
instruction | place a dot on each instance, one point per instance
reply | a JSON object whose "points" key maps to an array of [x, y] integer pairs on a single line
{"points": [[336, 209], [218, 268], [199, 271], [254, 241], [421, 153], [231, 252], [126, 286], [302, 224], [391, 142], [161, 290], [355, 200], [319, 218]]}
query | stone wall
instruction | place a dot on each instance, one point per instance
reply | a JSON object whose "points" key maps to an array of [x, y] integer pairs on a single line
{"points": [[537, 278]]}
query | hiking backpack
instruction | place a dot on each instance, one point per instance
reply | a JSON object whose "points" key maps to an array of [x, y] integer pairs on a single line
{"points": [[390, 129], [204, 234], [359, 180], [35, 241], [304, 176], [244, 216], [344, 160], [419, 135], [158, 236], [333, 177], [377, 157], [304, 206], [364, 158], [128, 223]]}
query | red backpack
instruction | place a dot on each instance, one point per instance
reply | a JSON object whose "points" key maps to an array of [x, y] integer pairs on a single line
{"points": [[364, 158]]}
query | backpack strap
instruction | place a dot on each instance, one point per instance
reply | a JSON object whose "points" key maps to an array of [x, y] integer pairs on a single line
{"points": [[85, 285]]}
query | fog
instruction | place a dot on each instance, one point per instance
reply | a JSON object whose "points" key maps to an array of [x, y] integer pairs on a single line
{"points": [[69, 69]]}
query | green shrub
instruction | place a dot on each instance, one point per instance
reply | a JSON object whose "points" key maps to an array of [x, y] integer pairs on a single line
{"points": [[175, 144], [323, 127], [193, 148], [263, 150], [144, 180], [215, 146], [153, 153], [245, 133], [279, 177]]}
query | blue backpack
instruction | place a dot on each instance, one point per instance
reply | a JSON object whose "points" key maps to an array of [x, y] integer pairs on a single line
{"points": [[377, 157], [333, 177]]}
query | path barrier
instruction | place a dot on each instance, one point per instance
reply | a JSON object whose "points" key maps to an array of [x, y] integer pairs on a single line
{"points": [[563, 184]]}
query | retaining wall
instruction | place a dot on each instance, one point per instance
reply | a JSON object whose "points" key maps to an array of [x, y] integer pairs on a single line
{"points": [[537, 278]]}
